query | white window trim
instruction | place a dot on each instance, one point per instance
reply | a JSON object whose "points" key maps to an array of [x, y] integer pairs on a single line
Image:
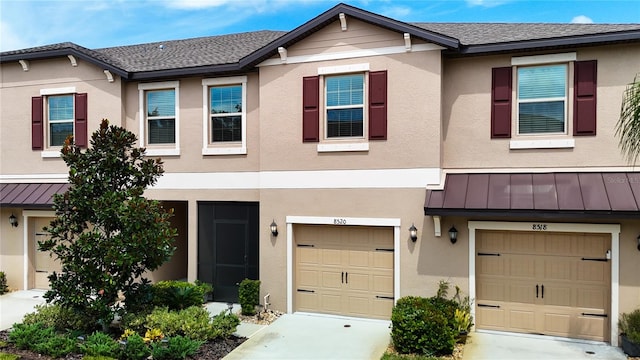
{"points": [[350, 143], [230, 148], [58, 91], [542, 144], [158, 150], [71, 90], [543, 59]]}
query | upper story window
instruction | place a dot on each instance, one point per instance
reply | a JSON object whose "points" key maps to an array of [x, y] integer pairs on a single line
{"points": [[542, 99], [353, 102], [225, 116], [555, 97], [60, 118], [159, 125], [56, 114], [344, 96]]}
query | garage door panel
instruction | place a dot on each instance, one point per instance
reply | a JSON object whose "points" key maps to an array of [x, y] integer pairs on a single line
{"points": [[382, 259], [308, 255], [382, 306], [331, 302], [554, 262], [383, 284], [331, 257], [358, 258], [331, 279], [307, 300], [309, 278], [358, 281]]}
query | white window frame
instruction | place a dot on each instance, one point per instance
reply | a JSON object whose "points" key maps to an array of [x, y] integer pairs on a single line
{"points": [[543, 140], [223, 148], [54, 151], [154, 149], [344, 144]]}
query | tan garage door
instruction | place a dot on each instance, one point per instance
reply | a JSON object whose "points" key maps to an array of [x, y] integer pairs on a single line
{"points": [[43, 263], [344, 270], [543, 283]]}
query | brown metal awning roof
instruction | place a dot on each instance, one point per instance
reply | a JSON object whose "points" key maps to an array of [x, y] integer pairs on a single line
{"points": [[584, 195], [37, 195]]}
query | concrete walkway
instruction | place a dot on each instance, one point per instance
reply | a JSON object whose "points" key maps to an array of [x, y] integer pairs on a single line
{"points": [[300, 336], [14, 305], [488, 345]]}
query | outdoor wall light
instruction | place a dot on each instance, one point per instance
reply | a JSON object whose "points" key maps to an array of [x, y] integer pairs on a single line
{"points": [[453, 234], [638, 242], [13, 220], [274, 228], [413, 233]]}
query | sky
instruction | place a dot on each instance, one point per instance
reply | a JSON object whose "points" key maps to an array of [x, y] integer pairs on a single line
{"points": [[104, 23]]}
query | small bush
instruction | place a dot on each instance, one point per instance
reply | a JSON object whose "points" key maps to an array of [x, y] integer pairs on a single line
{"points": [[193, 322], [180, 294], [52, 315], [175, 348], [56, 346], [92, 357], [134, 348], [99, 344], [629, 325], [225, 324], [4, 356], [3, 283], [419, 326], [249, 296], [140, 298], [24, 336]]}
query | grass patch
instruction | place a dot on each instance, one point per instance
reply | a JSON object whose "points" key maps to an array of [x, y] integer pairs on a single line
{"points": [[5, 356]]}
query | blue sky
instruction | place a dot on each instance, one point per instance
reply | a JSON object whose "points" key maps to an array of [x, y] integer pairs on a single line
{"points": [[104, 23]]}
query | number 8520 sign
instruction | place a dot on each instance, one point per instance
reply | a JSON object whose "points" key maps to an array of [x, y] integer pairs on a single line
{"points": [[539, 227]]}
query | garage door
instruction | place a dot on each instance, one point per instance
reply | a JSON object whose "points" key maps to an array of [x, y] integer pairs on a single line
{"points": [[543, 283], [344, 270]]}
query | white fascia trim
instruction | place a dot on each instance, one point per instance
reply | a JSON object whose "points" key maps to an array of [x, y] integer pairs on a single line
{"points": [[142, 135], [220, 149], [58, 91], [613, 229], [542, 144], [320, 179], [351, 54], [163, 152], [50, 154], [343, 147], [341, 69], [34, 178], [319, 220], [543, 59]]}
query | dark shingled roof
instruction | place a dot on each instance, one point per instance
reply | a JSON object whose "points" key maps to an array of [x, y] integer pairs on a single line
{"points": [[202, 51]]}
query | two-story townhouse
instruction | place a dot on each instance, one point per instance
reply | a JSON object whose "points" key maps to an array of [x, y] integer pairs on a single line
{"points": [[306, 159]]}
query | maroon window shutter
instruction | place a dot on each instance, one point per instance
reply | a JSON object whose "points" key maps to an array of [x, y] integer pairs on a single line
{"points": [[501, 82], [311, 109], [584, 100], [37, 130], [378, 105], [80, 125]]}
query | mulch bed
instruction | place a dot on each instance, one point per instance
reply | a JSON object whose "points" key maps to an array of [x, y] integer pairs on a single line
{"points": [[210, 350]]}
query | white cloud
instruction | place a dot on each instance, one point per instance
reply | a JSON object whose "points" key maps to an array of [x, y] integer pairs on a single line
{"points": [[486, 3], [396, 12], [10, 39], [581, 19]]}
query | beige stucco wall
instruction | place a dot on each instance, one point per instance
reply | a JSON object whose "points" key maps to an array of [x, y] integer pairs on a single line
{"points": [[18, 87], [467, 115]]}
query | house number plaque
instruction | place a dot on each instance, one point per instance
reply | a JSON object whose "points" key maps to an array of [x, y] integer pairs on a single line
{"points": [[539, 227], [340, 221]]}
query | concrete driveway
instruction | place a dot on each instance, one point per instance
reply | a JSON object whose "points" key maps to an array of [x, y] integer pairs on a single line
{"points": [[299, 336], [14, 305]]}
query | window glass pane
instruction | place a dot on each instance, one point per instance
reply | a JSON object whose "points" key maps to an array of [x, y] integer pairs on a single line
{"points": [[541, 117], [344, 122], [59, 131], [60, 107], [226, 128], [542, 81], [345, 90], [161, 103], [226, 99], [162, 131]]}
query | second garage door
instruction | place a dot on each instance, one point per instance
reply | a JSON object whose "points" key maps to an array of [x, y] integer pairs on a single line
{"points": [[543, 283], [344, 270]]}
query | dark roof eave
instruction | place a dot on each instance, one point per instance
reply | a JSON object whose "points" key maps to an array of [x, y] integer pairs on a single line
{"points": [[329, 16], [591, 40], [193, 71], [47, 54], [540, 214]]}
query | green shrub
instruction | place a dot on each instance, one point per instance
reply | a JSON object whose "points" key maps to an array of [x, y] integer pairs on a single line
{"points": [[175, 348], [225, 324], [419, 326], [56, 346], [629, 325], [134, 348], [52, 315], [180, 294], [249, 296], [4, 356], [193, 322], [3, 283], [25, 336], [92, 357], [99, 344], [140, 298]]}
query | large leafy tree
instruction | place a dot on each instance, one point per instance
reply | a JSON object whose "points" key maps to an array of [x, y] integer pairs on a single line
{"points": [[628, 126], [106, 234]]}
